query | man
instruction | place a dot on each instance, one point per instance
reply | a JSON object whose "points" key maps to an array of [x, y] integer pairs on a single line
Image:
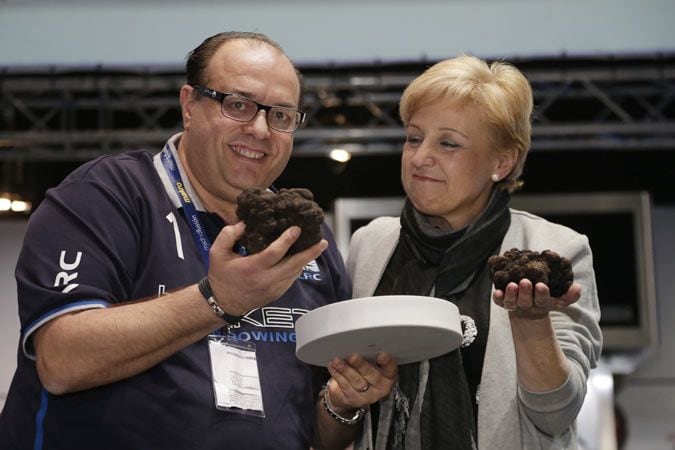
{"points": [[142, 324]]}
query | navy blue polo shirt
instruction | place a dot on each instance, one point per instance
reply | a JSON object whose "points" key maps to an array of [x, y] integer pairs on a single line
{"points": [[112, 232]]}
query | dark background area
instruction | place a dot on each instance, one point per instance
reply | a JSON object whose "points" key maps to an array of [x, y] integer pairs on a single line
{"points": [[601, 123], [545, 172], [379, 175]]}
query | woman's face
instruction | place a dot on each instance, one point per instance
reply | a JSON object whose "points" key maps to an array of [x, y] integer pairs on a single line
{"points": [[448, 162]]}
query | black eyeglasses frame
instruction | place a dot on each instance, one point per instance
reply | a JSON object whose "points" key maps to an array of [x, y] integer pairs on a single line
{"points": [[221, 96]]}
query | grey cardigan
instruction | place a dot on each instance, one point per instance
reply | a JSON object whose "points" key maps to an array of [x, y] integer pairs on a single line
{"points": [[509, 417]]}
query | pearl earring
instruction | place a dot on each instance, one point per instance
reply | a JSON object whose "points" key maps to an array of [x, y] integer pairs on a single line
{"points": [[495, 177]]}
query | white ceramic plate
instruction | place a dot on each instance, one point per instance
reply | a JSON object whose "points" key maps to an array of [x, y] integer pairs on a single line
{"points": [[411, 328]]}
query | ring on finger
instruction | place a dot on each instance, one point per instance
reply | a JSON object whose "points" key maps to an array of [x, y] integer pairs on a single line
{"points": [[511, 309]]}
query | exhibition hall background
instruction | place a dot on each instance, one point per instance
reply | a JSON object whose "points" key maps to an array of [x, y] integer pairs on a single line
{"points": [[83, 78]]}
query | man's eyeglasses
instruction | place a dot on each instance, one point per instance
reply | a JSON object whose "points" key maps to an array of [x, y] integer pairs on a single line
{"points": [[243, 109]]}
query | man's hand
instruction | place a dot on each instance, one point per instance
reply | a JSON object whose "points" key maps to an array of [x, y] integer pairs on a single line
{"points": [[241, 284]]}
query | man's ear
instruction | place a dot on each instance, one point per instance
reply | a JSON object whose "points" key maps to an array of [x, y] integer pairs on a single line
{"points": [[187, 101]]}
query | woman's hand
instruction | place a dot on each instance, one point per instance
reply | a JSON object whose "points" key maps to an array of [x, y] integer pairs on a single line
{"points": [[540, 362], [357, 383], [527, 301]]}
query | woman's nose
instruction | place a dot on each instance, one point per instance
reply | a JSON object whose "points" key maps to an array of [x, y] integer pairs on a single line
{"points": [[423, 156]]}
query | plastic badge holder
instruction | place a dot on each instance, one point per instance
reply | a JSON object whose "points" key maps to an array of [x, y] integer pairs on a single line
{"points": [[411, 328]]}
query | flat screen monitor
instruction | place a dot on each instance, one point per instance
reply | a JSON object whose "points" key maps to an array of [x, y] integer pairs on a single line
{"points": [[618, 226]]}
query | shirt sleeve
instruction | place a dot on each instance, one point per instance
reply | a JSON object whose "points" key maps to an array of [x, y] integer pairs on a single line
{"points": [[580, 337], [80, 251]]}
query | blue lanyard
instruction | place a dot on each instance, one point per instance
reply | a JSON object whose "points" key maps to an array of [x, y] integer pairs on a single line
{"points": [[196, 227]]}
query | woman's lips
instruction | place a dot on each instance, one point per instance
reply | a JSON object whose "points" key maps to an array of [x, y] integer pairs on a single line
{"points": [[420, 177]]}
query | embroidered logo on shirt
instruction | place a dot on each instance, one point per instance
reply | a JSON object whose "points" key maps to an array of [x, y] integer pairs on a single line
{"points": [[265, 319], [67, 274], [311, 272]]}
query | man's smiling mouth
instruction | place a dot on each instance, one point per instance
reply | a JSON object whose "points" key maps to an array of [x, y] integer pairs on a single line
{"points": [[247, 153]]}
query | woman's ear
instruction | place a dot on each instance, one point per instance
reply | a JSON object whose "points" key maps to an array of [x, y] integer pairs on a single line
{"points": [[506, 162], [187, 101]]}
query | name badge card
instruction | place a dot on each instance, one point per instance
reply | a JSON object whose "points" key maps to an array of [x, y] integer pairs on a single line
{"points": [[236, 380]]}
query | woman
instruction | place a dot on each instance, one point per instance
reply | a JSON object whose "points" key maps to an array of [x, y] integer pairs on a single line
{"points": [[520, 382]]}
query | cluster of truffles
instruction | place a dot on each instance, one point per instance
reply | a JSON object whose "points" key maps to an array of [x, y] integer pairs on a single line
{"points": [[267, 215], [546, 267]]}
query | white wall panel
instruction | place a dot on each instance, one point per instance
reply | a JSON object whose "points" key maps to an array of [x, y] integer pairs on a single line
{"points": [[152, 32], [11, 237]]}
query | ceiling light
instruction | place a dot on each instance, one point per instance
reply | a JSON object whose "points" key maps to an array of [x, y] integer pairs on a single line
{"points": [[340, 155], [12, 203], [20, 206]]}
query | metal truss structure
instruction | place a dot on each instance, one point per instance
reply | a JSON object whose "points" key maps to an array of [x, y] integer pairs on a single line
{"points": [[63, 114]]}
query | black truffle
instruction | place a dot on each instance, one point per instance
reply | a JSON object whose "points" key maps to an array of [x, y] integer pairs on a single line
{"points": [[267, 215], [546, 267]]}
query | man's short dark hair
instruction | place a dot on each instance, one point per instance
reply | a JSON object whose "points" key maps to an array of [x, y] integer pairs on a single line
{"points": [[199, 58]]}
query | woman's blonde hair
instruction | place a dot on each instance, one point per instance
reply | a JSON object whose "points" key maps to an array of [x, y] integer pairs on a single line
{"points": [[499, 89]]}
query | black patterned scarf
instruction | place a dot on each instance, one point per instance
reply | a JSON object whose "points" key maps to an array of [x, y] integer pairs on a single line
{"points": [[452, 264]]}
